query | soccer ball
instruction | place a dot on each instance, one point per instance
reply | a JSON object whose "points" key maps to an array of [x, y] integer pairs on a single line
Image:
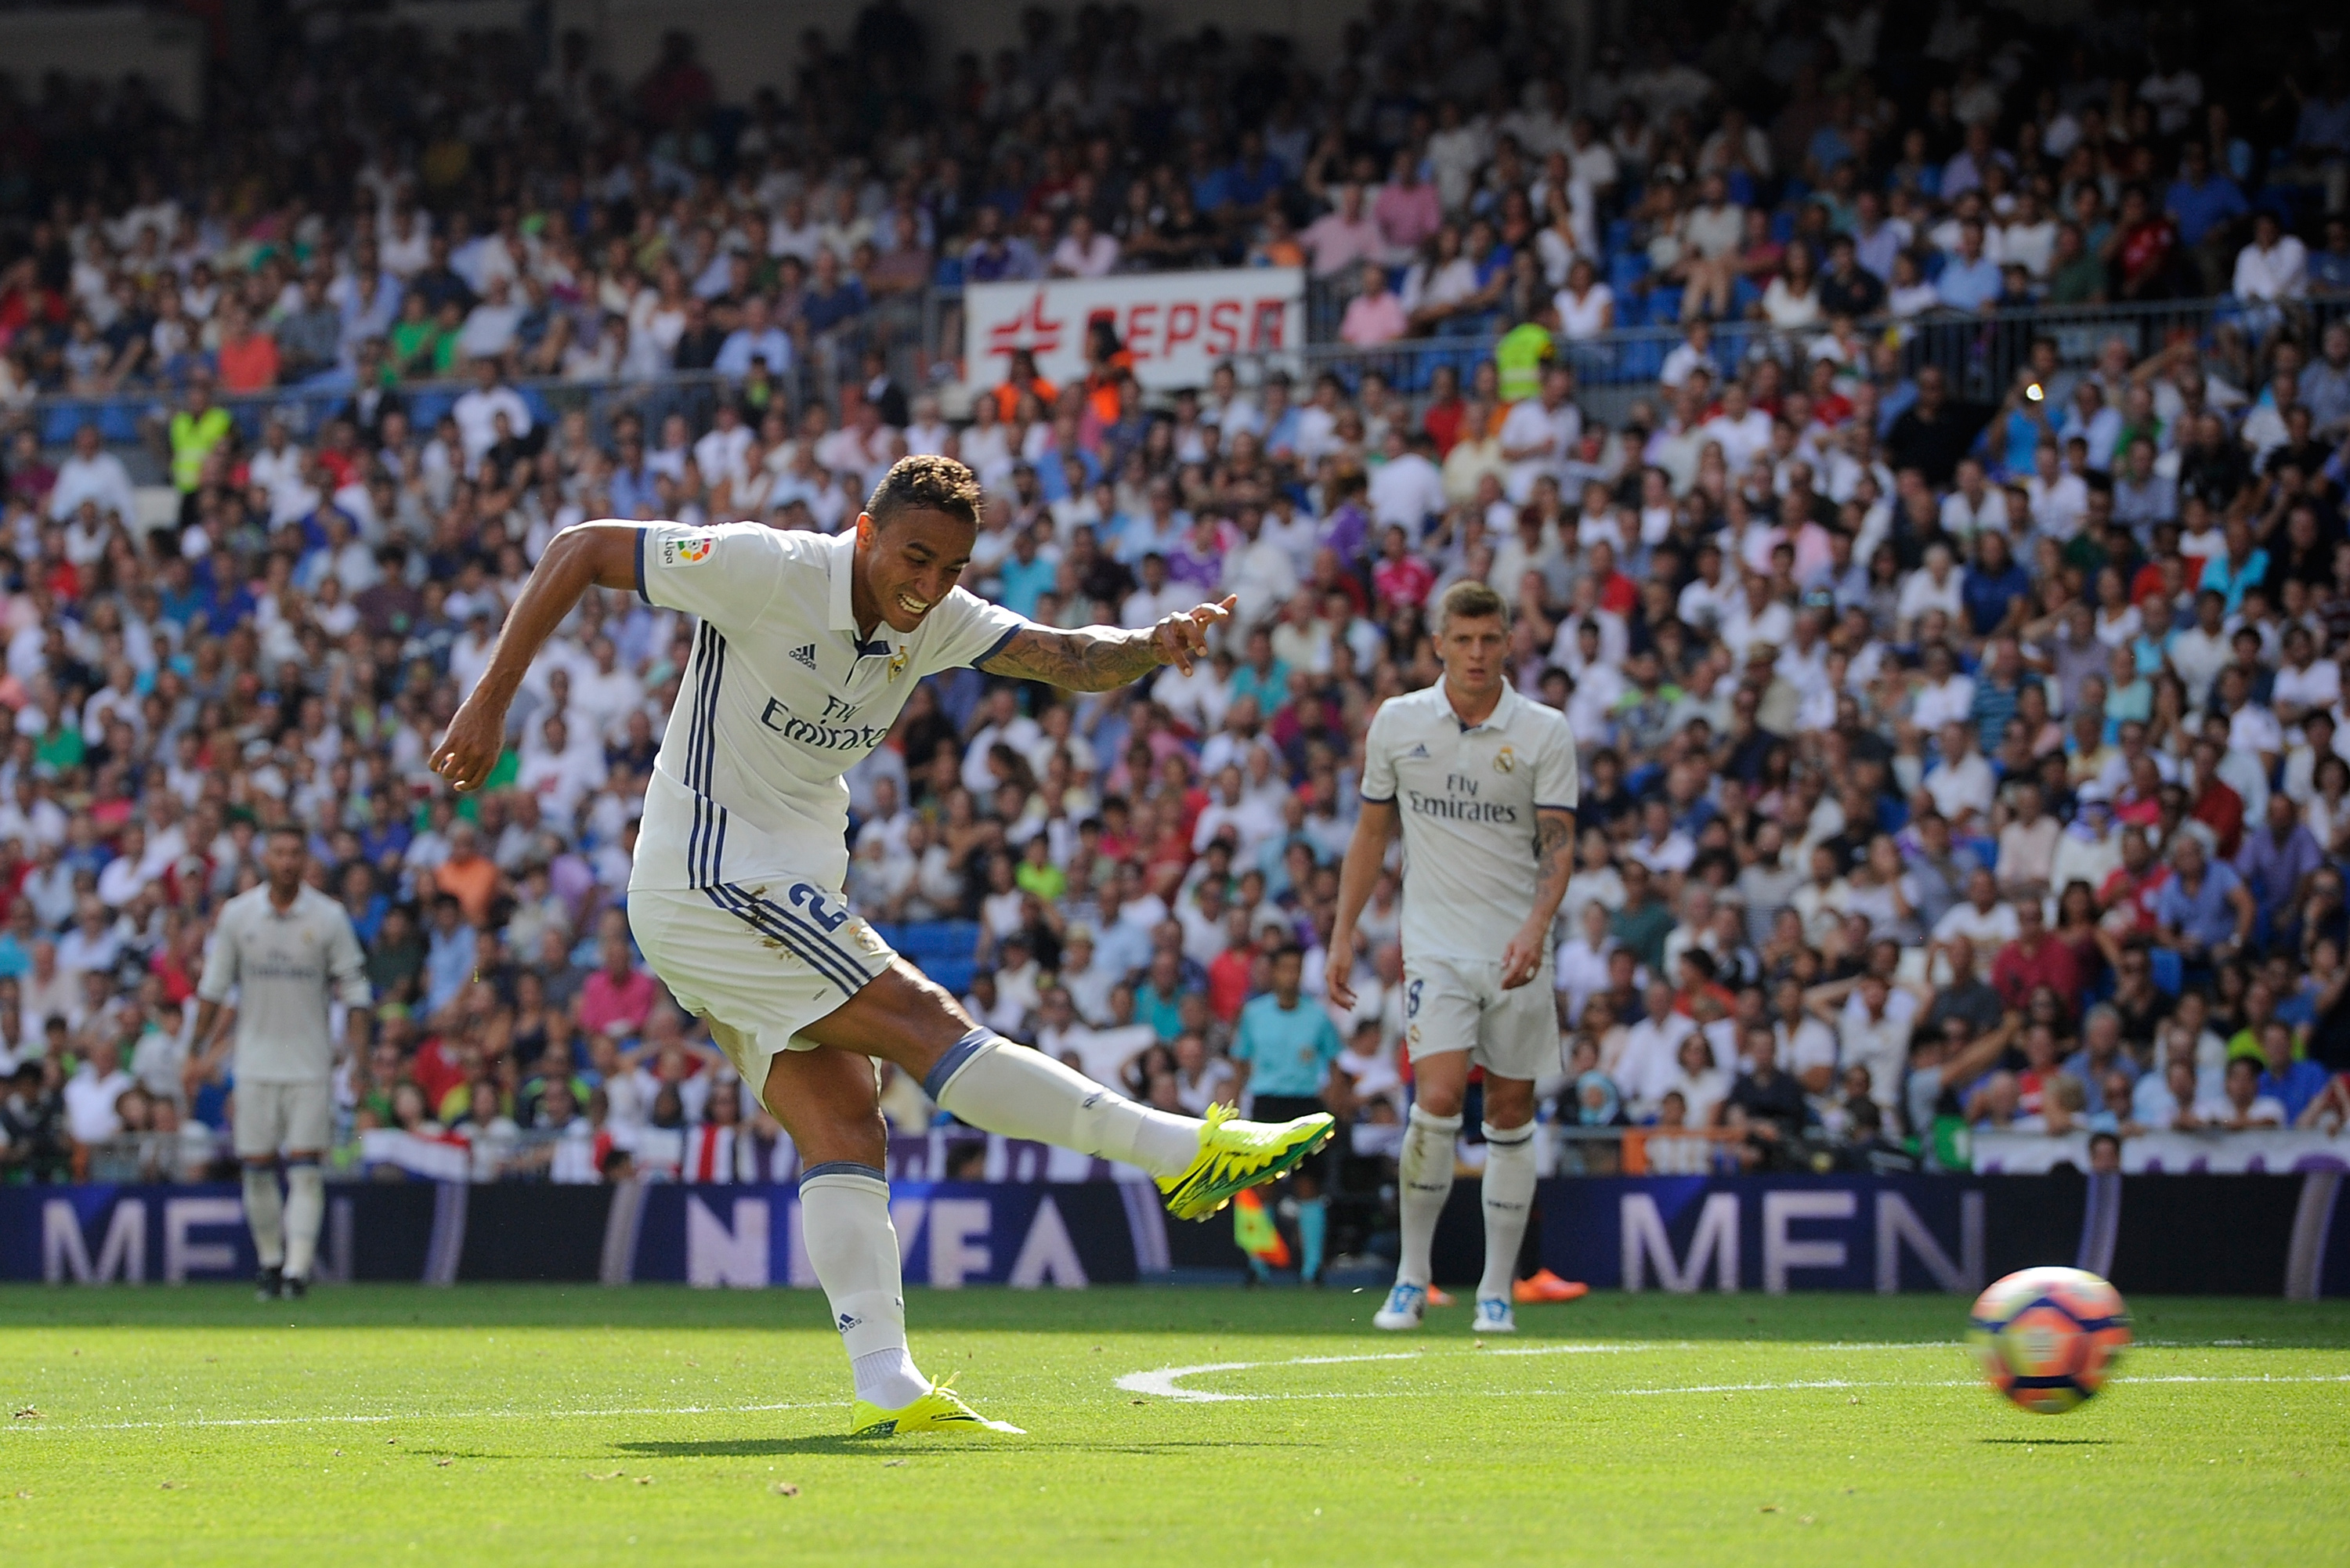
{"points": [[2048, 1337]]}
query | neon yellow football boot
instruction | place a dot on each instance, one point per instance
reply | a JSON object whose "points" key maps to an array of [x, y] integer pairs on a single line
{"points": [[939, 1410], [1236, 1156]]}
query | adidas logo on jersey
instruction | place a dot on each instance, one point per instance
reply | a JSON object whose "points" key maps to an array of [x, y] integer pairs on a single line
{"points": [[805, 654], [1418, 753]]}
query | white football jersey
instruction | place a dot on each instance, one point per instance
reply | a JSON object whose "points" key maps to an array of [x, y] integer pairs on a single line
{"points": [[779, 699], [283, 969], [1466, 798]]}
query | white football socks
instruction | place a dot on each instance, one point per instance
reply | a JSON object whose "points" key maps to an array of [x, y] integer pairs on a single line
{"points": [[852, 1246], [1426, 1173], [1002, 1087], [305, 1211], [264, 1214], [1509, 1194]]}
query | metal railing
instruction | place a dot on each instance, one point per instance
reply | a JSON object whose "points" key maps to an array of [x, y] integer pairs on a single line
{"points": [[1980, 354], [922, 342]]}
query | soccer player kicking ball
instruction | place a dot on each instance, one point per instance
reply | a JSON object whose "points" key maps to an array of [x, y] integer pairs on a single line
{"points": [[282, 947], [808, 646], [1482, 783]]}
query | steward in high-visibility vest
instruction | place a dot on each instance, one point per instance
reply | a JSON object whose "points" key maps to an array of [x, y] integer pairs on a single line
{"points": [[1521, 356], [195, 431]]}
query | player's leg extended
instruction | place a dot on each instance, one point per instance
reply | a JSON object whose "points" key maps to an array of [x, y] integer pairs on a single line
{"points": [[902, 1017]]}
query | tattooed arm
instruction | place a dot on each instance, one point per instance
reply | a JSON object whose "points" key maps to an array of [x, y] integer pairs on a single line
{"points": [[1554, 864], [1099, 658]]}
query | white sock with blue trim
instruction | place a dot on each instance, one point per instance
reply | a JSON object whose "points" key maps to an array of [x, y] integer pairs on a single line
{"points": [[1424, 1180], [1000, 1086], [1509, 1196], [852, 1246], [264, 1214], [305, 1211]]}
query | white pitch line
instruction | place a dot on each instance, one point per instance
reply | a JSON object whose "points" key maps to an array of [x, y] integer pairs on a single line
{"points": [[1166, 1382]]}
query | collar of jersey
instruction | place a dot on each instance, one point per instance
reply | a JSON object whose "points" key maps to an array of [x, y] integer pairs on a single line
{"points": [[841, 569], [1495, 720]]}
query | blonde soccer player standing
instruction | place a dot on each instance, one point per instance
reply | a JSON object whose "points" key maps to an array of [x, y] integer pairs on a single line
{"points": [[285, 951], [1481, 782]]}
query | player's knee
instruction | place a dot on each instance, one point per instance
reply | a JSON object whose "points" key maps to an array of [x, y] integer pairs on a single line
{"points": [[1509, 1105], [1440, 1099]]}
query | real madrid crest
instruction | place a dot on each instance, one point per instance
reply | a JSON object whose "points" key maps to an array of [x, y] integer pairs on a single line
{"points": [[898, 663], [1505, 759]]}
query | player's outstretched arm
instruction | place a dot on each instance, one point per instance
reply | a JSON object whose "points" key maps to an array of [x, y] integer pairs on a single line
{"points": [[1367, 851], [1101, 657], [584, 556]]}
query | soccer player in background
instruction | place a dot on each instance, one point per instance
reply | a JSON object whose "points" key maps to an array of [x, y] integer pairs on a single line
{"points": [[282, 948], [809, 645], [1481, 783], [1283, 1048]]}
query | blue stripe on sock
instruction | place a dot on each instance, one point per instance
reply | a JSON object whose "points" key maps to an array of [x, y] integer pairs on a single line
{"points": [[935, 1081], [844, 1168]]}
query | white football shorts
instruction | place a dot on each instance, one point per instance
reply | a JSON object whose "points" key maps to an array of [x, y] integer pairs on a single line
{"points": [[1458, 1004], [763, 960], [272, 1116]]}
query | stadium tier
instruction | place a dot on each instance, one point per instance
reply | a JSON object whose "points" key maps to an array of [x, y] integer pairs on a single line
{"points": [[1909, 449]]}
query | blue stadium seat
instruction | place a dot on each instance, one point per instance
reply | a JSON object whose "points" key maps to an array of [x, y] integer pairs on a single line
{"points": [[2169, 972], [952, 973]]}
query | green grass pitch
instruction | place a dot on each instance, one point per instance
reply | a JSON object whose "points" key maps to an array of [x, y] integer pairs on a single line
{"points": [[395, 1424]]}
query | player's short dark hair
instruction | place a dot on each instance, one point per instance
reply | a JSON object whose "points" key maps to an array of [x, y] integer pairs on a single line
{"points": [[1472, 600], [926, 482]]}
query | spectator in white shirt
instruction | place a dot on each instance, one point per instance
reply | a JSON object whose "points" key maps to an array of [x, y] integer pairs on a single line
{"points": [[92, 473], [1084, 251], [1740, 429], [477, 411], [2274, 267], [2060, 498], [1961, 783], [1974, 504], [1932, 586], [1407, 489]]}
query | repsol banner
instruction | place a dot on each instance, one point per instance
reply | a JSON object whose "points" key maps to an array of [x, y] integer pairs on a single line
{"points": [[1060, 1235], [2190, 1234]]}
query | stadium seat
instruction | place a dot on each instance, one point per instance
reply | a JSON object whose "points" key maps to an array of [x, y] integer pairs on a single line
{"points": [[2170, 971]]}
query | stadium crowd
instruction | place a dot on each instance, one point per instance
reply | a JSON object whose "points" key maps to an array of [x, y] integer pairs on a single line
{"points": [[1948, 764]]}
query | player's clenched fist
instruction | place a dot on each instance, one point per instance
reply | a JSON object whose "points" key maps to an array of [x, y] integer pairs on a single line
{"points": [[1182, 637], [470, 750]]}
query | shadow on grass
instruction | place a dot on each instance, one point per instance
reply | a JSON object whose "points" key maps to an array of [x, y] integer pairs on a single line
{"points": [[892, 1448], [2049, 1442]]}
